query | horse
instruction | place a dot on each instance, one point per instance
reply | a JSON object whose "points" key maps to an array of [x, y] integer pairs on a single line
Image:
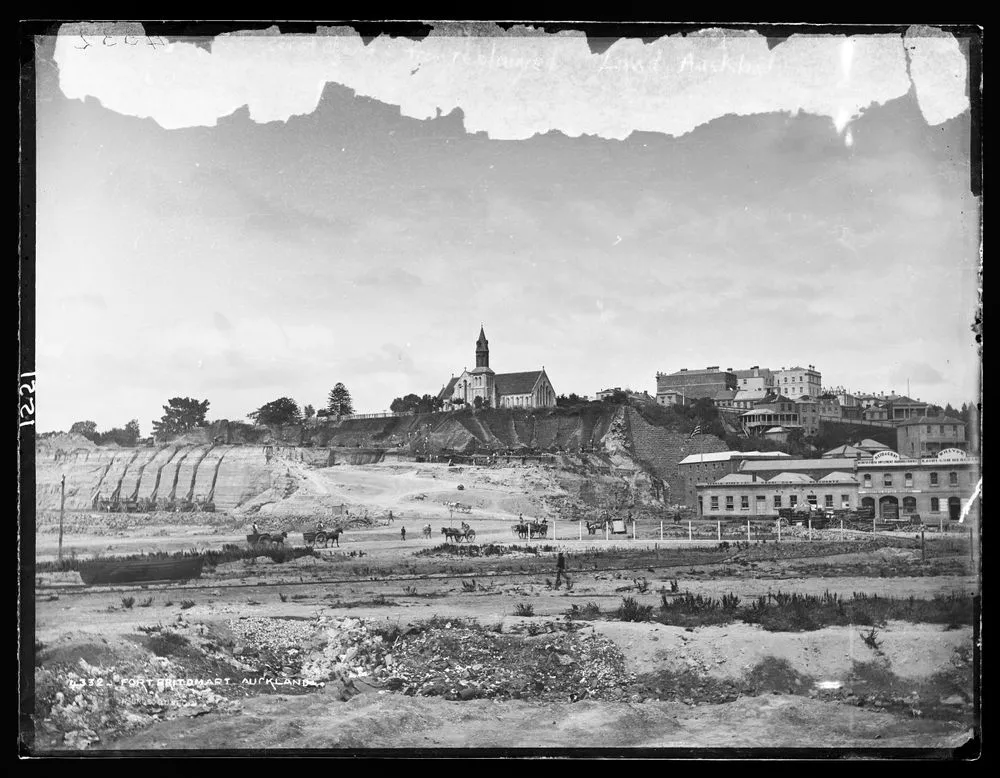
{"points": [[450, 533]]}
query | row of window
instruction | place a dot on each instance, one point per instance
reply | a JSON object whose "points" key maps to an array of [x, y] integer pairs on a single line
{"points": [[909, 503], [793, 501], [908, 479]]}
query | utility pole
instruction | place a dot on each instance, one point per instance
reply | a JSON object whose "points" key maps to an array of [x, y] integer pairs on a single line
{"points": [[62, 508]]}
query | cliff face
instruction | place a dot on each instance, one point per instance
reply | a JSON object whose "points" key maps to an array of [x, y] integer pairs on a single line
{"points": [[234, 464]]}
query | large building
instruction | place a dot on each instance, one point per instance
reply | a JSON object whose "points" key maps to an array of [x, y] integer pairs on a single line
{"points": [[796, 381], [938, 489], [757, 378], [773, 411], [531, 389], [695, 384], [926, 435], [704, 468]]}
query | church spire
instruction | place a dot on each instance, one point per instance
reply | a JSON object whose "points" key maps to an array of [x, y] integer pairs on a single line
{"points": [[482, 349]]}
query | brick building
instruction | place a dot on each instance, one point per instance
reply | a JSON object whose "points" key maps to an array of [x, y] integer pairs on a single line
{"points": [[705, 468], [695, 384], [747, 495], [926, 435], [796, 381], [937, 488]]}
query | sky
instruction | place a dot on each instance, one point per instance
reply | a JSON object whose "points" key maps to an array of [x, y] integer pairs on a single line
{"points": [[250, 217]]}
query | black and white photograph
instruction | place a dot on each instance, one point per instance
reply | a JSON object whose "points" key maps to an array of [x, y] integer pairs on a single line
{"points": [[514, 389]]}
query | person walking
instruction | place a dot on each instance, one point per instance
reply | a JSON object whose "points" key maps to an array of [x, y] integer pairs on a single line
{"points": [[402, 533], [561, 571], [390, 517]]}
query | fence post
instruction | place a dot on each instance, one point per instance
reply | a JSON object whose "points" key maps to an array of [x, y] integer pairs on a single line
{"points": [[581, 529], [718, 530], [748, 530], [841, 529], [923, 552], [633, 531], [873, 525], [779, 529], [553, 529], [661, 530], [606, 536], [690, 531], [810, 528]]}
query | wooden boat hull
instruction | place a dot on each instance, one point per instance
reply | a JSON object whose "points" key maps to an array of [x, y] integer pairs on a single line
{"points": [[114, 571]]}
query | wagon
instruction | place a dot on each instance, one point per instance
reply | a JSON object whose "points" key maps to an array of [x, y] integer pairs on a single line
{"points": [[322, 537], [460, 507], [533, 529], [458, 535], [266, 538]]}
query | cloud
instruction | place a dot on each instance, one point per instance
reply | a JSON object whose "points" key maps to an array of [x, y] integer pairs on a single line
{"points": [[916, 373]]}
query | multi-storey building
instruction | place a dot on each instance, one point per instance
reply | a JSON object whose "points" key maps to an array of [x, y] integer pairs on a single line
{"points": [[926, 435], [773, 411], [937, 488], [808, 409], [902, 408], [747, 495], [796, 381], [702, 468], [695, 384], [829, 407], [757, 378]]}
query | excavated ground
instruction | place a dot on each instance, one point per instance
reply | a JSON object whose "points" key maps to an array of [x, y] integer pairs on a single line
{"points": [[392, 643]]}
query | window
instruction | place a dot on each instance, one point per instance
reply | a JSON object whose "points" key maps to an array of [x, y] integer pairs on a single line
{"points": [[714, 502], [729, 503], [744, 502], [777, 501], [868, 481], [887, 479], [845, 500], [928, 429], [793, 500], [935, 505], [908, 479], [811, 499], [954, 429], [941, 429], [934, 480], [953, 479], [828, 501], [909, 504]]}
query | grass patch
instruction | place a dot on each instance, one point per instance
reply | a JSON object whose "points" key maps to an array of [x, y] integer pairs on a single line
{"points": [[772, 674], [631, 610], [228, 553], [168, 644], [128, 602], [588, 612], [485, 550], [783, 612]]}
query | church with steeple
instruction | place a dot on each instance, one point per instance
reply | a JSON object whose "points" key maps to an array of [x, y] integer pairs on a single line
{"points": [[531, 389]]}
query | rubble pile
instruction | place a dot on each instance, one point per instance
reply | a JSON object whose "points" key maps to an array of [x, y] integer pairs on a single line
{"points": [[273, 647], [79, 706], [468, 663]]}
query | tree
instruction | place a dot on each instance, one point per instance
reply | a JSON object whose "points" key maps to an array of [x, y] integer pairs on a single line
{"points": [[340, 402], [405, 404], [477, 401], [86, 428], [281, 411], [308, 411], [132, 431], [180, 415], [617, 397]]}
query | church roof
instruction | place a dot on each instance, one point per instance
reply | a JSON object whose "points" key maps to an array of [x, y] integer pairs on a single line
{"points": [[516, 383], [449, 389]]}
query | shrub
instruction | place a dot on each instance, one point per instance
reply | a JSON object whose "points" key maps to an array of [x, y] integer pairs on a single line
{"points": [[631, 610], [167, 643], [146, 602], [284, 597], [185, 604], [524, 609], [871, 639], [588, 612], [469, 586], [128, 602]]}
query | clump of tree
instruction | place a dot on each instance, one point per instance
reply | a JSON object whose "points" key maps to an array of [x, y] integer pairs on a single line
{"points": [[180, 415], [411, 403], [339, 403], [284, 410], [617, 397], [567, 401], [122, 436], [308, 412], [481, 402]]}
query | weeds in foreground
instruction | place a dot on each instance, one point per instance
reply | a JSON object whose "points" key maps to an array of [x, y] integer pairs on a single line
{"points": [[469, 586], [631, 610], [283, 596], [146, 602], [185, 604], [524, 609], [871, 639], [128, 602], [588, 612]]}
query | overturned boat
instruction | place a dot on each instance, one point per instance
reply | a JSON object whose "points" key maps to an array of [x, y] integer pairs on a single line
{"points": [[116, 571]]}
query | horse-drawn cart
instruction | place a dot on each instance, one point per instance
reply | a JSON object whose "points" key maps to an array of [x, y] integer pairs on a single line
{"points": [[322, 537], [531, 529], [266, 539], [459, 535]]}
